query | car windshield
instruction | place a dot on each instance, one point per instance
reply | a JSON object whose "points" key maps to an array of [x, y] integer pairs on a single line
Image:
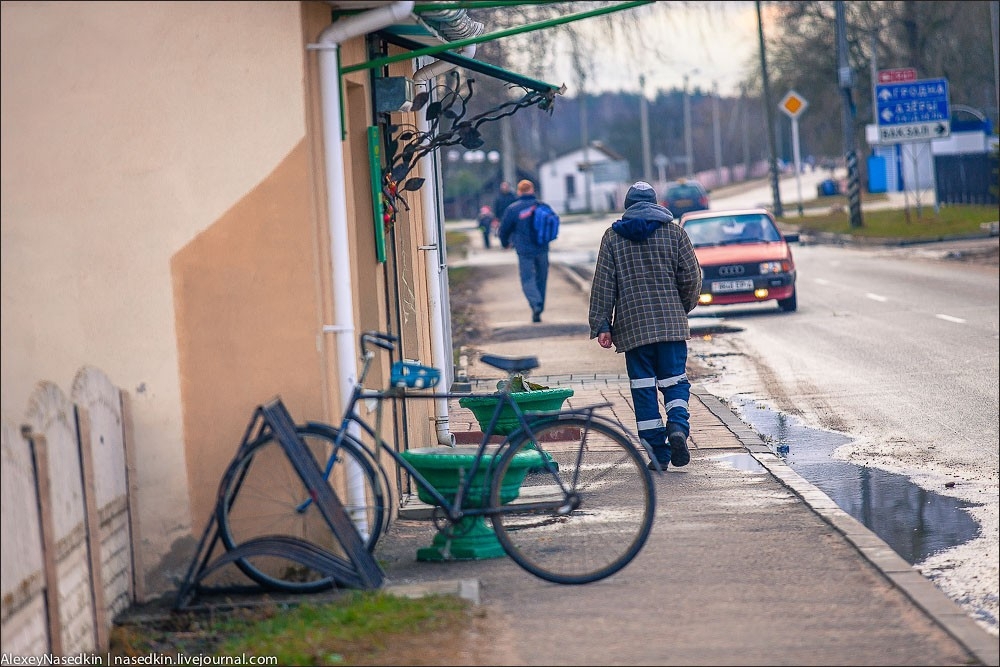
{"points": [[727, 229]]}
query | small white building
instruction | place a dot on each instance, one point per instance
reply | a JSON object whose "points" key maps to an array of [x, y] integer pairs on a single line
{"points": [[592, 179]]}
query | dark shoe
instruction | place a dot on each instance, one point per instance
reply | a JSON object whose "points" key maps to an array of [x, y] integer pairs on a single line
{"points": [[652, 465], [679, 454], [536, 316]]}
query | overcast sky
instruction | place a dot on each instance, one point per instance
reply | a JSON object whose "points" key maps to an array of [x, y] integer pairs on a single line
{"points": [[717, 39]]}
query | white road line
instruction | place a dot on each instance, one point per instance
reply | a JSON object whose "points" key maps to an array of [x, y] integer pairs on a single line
{"points": [[877, 297], [821, 281], [949, 318]]}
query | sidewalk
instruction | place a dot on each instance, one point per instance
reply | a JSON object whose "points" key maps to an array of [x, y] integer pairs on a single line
{"points": [[747, 564]]}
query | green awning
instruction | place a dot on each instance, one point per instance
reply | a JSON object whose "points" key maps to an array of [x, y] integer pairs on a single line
{"points": [[478, 66]]}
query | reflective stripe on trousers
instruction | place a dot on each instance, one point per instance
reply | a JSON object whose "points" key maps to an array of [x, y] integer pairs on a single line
{"points": [[659, 368]]}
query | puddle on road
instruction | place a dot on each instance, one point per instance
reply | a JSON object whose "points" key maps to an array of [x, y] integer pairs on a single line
{"points": [[914, 522]]}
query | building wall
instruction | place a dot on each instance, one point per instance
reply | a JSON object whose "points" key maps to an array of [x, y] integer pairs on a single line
{"points": [[164, 219], [552, 176], [142, 142]]}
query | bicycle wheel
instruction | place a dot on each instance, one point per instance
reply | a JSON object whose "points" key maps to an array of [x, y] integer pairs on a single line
{"points": [[262, 495], [582, 516]]}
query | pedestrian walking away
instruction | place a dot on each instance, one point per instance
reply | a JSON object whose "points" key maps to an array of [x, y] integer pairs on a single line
{"points": [[517, 230], [485, 222], [503, 200], [646, 282]]}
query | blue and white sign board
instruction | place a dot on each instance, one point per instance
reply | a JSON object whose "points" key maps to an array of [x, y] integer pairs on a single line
{"points": [[913, 111]]}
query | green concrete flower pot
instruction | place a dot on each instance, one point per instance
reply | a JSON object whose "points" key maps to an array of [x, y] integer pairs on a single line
{"points": [[444, 468], [540, 400]]}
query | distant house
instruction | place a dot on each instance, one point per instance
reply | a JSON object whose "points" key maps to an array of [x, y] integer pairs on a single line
{"points": [[591, 179]]}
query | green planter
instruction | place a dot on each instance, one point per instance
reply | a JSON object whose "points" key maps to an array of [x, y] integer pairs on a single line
{"points": [[472, 538], [541, 400]]}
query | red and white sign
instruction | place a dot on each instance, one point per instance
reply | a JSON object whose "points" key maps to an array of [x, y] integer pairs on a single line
{"points": [[901, 75]]}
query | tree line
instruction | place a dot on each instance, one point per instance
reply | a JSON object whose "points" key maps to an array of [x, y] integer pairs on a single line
{"points": [[938, 39]]}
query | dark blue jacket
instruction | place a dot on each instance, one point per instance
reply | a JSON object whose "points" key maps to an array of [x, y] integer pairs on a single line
{"points": [[500, 204], [518, 231]]}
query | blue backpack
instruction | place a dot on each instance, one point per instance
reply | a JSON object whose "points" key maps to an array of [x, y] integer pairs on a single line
{"points": [[544, 221]]}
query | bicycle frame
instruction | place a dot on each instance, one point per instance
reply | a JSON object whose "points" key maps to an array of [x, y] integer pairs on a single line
{"points": [[454, 510]]}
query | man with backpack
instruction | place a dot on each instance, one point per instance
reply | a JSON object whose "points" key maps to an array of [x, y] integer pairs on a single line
{"points": [[529, 225]]}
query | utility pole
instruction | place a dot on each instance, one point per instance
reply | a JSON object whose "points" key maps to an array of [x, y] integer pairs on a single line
{"points": [[846, 80], [508, 164], [687, 129], [769, 116], [995, 16], [716, 134], [647, 160], [585, 141], [745, 116]]}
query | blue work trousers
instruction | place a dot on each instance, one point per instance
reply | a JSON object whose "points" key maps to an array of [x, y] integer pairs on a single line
{"points": [[654, 369], [534, 270]]}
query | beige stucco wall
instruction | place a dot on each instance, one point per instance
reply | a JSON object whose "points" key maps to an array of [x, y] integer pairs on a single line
{"points": [[129, 130], [164, 220]]}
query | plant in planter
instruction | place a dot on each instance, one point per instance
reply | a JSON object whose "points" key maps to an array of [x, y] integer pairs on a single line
{"points": [[529, 396]]}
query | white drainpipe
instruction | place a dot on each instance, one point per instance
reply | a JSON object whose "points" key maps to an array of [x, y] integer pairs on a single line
{"points": [[340, 257], [440, 348]]}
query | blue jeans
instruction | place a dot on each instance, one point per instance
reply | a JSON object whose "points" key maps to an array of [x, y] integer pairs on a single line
{"points": [[534, 270], [659, 368]]}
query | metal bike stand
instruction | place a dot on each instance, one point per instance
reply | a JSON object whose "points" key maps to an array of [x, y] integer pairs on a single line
{"points": [[359, 570]]}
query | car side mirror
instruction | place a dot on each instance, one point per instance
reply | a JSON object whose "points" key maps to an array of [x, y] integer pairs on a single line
{"points": [[792, 238]]}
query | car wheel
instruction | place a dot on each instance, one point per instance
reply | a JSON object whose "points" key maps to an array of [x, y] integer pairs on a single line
{"points": [[790, 304]]}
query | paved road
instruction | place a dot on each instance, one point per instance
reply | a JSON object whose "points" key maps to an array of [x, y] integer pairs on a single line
{"points": [[748, 564]]}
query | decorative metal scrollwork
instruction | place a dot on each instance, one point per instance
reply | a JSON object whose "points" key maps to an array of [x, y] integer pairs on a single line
{"points": [[448, 125]]}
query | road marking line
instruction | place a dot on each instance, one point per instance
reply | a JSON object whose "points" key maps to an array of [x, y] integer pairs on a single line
{"points": [[821, 281], [877, 297], [949, 318]]}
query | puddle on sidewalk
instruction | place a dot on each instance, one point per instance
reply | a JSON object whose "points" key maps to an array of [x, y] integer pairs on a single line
{"points": [[913, 521]]}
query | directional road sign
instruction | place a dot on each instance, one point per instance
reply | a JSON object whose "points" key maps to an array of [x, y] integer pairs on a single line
{"points": [[913, 110]]}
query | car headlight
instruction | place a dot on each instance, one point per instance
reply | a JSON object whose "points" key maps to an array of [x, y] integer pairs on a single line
{"points": [[773, 267]]}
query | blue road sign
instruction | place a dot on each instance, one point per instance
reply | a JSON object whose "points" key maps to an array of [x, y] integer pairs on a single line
{"points": [[913, 110]]}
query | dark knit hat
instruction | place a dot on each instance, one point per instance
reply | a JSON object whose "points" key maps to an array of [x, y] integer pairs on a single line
{"points": [[640, 191]]}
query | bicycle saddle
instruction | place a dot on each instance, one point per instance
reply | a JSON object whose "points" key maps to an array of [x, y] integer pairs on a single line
{"points": [[510, 364]]}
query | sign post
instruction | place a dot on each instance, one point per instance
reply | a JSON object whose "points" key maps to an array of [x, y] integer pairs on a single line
{"points": [[793, 105]]}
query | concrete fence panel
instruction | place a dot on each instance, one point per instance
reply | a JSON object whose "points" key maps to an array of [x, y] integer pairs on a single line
{"points": [[52, 419], [22, 618], [103, 446], [68, 535]]}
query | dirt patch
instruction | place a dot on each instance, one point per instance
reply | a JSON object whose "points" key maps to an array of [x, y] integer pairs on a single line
{"points": [[468, 325]]}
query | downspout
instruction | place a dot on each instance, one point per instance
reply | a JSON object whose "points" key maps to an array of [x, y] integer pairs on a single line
{"points": [[434, 256], [336, 198]]}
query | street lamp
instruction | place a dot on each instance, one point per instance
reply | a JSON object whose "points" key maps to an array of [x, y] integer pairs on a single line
{"points": [[687, 123]]}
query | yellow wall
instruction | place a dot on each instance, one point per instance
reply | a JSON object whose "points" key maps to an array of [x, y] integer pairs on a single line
{"points": [[247, 322], [164, 220], [128, 130]]}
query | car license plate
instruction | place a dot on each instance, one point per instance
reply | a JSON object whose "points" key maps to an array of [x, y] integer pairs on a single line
{"points": [[732, 285], [684, 202]]}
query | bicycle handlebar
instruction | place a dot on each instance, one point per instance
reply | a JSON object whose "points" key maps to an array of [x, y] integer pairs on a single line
{"points": [[383, 340]]}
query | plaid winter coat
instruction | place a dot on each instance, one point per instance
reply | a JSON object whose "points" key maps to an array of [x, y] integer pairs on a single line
{"points": [[647, 280]]}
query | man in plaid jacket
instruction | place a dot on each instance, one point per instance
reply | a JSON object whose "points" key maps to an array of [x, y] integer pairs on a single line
{"points": [[646, 282]]}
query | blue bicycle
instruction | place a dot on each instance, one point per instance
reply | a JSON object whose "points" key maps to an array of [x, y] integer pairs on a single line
{"points": [[567, 492]]}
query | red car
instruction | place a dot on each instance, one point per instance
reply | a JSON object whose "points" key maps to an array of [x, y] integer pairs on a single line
{"points": [[744, 257]]}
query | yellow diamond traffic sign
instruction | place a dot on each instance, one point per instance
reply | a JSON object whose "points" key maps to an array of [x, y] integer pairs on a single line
{"points": [[793, 104]]}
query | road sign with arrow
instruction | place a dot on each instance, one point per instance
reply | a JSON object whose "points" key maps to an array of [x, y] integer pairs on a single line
{"points": [[913, 111]]}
